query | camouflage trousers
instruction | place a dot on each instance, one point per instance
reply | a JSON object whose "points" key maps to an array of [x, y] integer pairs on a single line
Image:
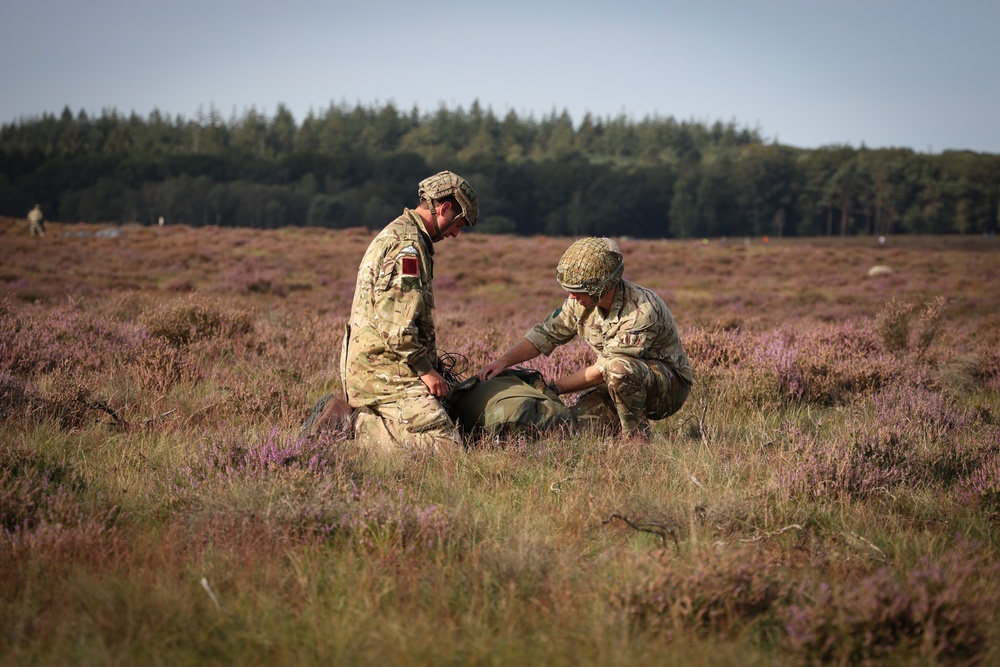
{"points": [[634, 391], [415, 421]]}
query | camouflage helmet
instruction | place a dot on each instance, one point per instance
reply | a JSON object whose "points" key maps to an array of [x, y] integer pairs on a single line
{"points": [[592, 265], [449, 184]]}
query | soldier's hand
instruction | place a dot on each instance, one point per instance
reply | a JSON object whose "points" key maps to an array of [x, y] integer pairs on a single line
{"points": [[490, 370], [435, 383]]}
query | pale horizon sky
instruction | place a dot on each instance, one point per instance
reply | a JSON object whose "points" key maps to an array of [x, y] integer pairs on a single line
{"points": [[807, 73]]}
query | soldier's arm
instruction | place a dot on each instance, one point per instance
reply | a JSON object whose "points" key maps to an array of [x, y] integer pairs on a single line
{"points": [[585, 378], [519, 353], [557, 329], [398, 301], [435, 383]]}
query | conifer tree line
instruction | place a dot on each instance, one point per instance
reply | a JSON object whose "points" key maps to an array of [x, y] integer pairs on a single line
{"points": [[350, 166]]}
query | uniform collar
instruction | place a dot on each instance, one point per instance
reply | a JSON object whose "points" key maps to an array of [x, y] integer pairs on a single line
{"points": [[617, 302], [421, 227]]}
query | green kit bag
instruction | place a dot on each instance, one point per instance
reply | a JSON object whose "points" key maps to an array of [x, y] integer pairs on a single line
{"points": [[515, 401]]}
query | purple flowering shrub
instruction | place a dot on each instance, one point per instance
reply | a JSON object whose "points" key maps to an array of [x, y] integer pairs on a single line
{"points": [[18, 397], [981, 486], [909, 435], [35, 340], [331, 498], [385, 523], [946, 441], [266, 395], [895, 327], [824, 364], [833, 363], [195, 317], [720, 595], [939, 609], [236, 453], [158, 366], [249, 278], [36, 489], [713, 350]]}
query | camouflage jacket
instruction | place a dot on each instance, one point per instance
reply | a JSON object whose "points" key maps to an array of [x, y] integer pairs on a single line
{"points": [[390, 341], [638, 325]]}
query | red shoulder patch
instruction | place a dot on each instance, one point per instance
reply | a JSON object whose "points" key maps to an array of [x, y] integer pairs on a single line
{"points": [[411, 267]]}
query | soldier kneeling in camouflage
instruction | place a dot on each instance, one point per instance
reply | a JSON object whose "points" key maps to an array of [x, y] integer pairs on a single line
{"points": [[641, 371], [389, 360]]}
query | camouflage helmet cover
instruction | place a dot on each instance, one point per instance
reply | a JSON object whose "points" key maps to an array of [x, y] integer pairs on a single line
{"points": [[592, 265], [449, 184]]}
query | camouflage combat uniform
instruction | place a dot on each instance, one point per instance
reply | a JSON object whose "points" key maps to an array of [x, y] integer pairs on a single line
{"points": [[390, 342], [36, 221], [646, 371]]}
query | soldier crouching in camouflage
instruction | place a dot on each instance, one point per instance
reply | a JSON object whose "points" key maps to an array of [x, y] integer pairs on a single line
{"points": [[389, 360], [641, 371]]}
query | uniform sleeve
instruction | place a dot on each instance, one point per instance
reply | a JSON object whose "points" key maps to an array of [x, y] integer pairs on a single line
{"points": [[401, 294], [557, 329]]}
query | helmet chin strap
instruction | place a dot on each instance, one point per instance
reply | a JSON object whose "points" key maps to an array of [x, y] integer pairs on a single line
{"points": [[445, 230], [439, 232], [436, 236]]}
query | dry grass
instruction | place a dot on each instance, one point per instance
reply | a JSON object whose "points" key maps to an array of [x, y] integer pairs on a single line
{"points": [[828, 494]]}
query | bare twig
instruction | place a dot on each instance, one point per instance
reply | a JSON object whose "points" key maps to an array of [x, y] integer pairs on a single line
{"points": [[554, 487], [101, 405], [657, 529], [701, 424], [208, 589], [761, 536], [815, 422], [149, 421], [881, 554]]}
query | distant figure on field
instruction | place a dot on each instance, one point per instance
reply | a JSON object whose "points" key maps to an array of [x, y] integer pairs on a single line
{"points": [[389, 361], [641, 371], [36, 221]]}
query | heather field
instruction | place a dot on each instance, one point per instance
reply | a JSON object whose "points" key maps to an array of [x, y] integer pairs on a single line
{"points": [[829, 494]]}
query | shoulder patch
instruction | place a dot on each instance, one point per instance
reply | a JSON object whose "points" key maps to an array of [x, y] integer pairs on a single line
{"points": [[556, 312], [410, 261]]}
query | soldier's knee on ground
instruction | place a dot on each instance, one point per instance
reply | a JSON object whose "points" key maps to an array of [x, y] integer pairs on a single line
{"points": [[424, 413], [370, 430], [415, 422], [443, 440]]}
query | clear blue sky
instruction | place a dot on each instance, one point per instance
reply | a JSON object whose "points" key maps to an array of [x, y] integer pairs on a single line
{"points": [[911, 73]]}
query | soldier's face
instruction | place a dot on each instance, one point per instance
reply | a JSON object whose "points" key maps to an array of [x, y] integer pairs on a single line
{"points": [[450, 225], [585, 299]]}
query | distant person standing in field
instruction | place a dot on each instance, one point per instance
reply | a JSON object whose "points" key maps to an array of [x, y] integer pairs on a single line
{"points": [[389, 361], [641, 371], [36, 221]]}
